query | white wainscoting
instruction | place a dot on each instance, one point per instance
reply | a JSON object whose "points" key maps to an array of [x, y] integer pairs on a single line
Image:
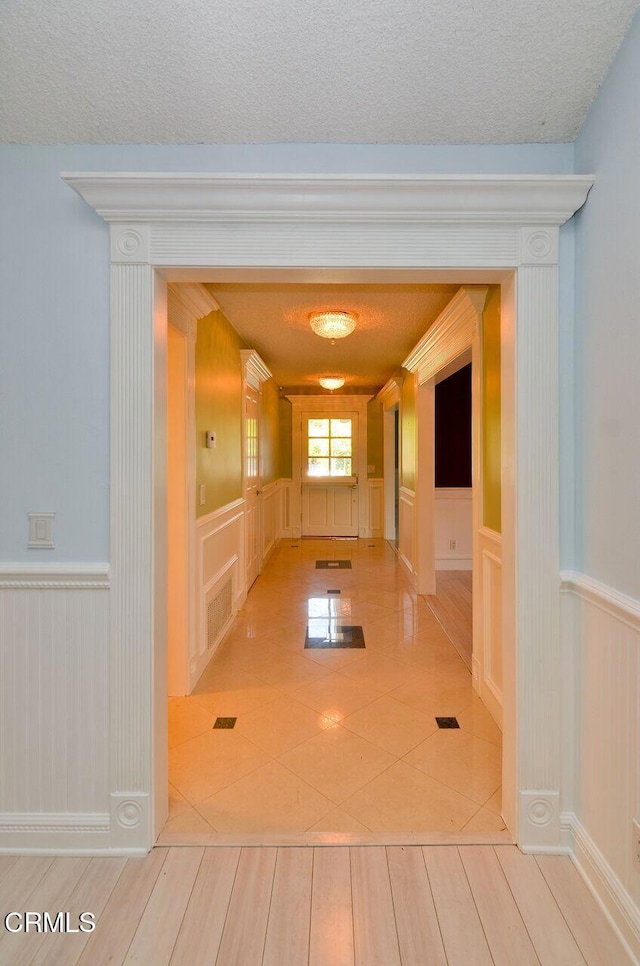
{"points": [[487, 621], [375, 508], [407, 527], [54, 721], [285, 530], [219, 553], [453, 522], [601, 630], [272, 498]]}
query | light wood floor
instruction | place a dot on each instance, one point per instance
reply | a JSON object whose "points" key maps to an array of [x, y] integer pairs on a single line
{"points": [[452, 605], [461, 906]]}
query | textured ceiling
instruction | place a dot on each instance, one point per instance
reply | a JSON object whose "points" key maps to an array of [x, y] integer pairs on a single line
{"points": [[406, 71], [274, 320]]}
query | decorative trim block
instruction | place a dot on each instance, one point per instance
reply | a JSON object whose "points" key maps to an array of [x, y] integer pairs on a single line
{"points": [[130, 244], [538, 246], [130, 820], [539, 825]]}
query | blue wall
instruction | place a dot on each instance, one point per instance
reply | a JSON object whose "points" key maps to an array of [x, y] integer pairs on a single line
{"points": [[608, 330], [54, 291]]}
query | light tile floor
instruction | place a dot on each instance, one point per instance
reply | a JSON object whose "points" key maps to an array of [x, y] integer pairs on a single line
{"points": [[342, 740]]}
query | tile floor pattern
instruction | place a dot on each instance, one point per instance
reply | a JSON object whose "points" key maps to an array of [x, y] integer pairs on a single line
{"points": [[333, 740]]}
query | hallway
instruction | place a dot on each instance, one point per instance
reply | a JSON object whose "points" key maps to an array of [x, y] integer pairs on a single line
{"points": [[333, 742]]}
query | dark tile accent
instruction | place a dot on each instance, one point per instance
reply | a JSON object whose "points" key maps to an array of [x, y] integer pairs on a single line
{"points": [[447, 722], [345, 635], [334, 591], [371, 546], [294, 546], [333, 565], [225, 723]]}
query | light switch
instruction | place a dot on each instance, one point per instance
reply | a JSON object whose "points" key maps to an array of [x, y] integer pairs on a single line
{"points": [[371, 468], [41, 531], [211, 439], [203, 494]]}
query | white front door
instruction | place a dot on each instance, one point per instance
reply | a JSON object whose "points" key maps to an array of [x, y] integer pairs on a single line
{"points": [[329, 474], [252, 483], [330, 511]]}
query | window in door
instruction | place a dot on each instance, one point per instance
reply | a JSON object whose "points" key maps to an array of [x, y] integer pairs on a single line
{"points": [[330, 447]]}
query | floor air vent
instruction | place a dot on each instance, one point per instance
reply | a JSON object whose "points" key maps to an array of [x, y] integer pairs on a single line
{"points": [[219, 612]]}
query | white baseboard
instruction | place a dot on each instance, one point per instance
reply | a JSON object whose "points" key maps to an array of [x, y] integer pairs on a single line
{"points": [[607, 889], [54, 833], [454, 563]]}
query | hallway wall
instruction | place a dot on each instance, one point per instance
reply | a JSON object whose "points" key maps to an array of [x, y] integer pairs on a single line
{"points": [[218, 408]]}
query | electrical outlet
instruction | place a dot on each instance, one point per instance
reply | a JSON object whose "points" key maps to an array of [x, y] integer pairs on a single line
{"points": [[203, 494], [453, 545], [636, 842]]}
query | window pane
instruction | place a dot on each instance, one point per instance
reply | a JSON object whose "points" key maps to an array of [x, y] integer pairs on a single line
{"points": [[341, 467], [319, 447], [340, 427], [340, 447], [318, 467], [318, 427]]}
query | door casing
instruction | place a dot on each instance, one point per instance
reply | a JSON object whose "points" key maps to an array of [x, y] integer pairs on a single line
{"points": [[474, 229]]}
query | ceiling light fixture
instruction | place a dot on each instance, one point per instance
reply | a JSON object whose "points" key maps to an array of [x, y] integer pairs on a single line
{"points": [[333, 325], [331, 383]]}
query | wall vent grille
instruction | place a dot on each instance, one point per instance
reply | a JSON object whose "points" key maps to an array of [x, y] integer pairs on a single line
{"points": [[219, 612]]}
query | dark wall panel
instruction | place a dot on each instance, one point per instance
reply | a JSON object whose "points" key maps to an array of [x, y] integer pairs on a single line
{"points": [[453, 429]]}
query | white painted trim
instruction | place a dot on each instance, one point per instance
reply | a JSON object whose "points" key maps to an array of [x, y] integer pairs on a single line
{"points": [[511, 199], [186, 304], [167, 222], [54, 576], [450, 336], [614, 900], [55, 833], [222, 511], [255, 365], [453, 492], [54, 822], [620, 606], [196, 298], [539, 820], [389, 396], [454, 563]]}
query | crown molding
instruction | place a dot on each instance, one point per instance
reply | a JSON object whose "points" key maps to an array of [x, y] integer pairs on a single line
{"points": [[457, 325], [255, 365], [194, 297], [390, 392], [531, 200]]}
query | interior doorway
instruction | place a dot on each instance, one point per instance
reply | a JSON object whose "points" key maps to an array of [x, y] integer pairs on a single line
{"points": [[479, 228], [366, 715]]}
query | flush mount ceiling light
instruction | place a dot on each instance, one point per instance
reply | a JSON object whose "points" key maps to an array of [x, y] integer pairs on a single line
{"points": [[331, 383], [332, 325]]}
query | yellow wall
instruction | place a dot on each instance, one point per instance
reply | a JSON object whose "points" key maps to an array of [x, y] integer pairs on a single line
{"points": [[491, 455], [270, 433], [375, 438], [218, 407], [408, 432]]}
